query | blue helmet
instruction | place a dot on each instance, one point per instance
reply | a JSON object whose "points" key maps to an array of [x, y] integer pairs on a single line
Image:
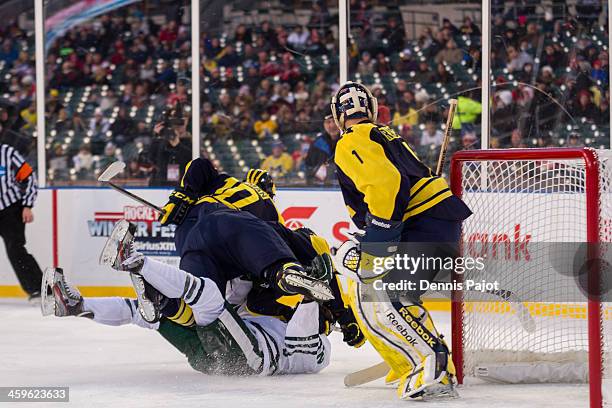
{"points": [[353, 101]]}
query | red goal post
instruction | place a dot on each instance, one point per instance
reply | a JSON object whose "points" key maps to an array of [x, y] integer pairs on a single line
{"points": [[521, 174]]}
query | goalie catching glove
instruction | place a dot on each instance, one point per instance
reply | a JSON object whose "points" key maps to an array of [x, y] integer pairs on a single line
{"points": [[180, 202]]}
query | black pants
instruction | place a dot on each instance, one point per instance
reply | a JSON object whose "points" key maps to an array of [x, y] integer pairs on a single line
{"points": [[12, 231]]}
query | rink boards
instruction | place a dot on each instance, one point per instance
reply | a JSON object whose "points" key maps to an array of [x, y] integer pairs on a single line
{"points": [[71, 226]]}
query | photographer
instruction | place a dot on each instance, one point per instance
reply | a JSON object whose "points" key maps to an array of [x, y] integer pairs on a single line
{"points": [[170, 150]]}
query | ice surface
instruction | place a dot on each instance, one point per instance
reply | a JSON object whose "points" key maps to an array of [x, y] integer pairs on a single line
{"points": [[131, 367]]}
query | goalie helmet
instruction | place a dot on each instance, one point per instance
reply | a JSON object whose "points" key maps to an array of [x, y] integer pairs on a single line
{"points": [[353, 101], [261, 179]]}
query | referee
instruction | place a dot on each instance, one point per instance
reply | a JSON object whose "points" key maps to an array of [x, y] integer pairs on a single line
{"points": [[18, 190]]}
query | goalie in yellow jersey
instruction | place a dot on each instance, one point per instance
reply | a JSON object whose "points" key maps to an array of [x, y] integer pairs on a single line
{"points": [[403, 208]]}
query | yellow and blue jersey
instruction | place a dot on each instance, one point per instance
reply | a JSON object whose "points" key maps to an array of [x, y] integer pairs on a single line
{"points": [[203, 179], [380, 175]]}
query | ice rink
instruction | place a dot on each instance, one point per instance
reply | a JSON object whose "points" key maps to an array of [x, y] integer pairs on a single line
{"points": [[132, 367]]}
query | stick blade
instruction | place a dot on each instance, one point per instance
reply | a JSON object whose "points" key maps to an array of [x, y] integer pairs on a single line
{"points": [[111, 171], [367, 375]]}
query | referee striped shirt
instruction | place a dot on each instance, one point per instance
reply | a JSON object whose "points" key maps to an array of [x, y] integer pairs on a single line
{"points": [[17, 179]]}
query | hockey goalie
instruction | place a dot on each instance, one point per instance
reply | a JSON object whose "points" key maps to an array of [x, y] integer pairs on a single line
{"points": [[397, 201]]}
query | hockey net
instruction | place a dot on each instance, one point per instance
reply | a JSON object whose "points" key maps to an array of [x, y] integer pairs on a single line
{"points": [[534, 212]]}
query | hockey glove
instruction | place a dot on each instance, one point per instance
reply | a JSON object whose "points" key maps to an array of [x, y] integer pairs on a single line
{"points": [[291, 278], [178, 206], [321, 267], [352, 334]]}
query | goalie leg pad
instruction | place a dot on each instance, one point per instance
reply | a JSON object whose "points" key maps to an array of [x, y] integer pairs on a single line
{"points": [[406, 338], [391, 348]]}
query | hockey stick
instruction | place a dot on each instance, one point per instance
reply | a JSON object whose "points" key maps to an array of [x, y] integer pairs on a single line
{"points": [[517, 304], [452, 108], [111, 171], [366, 375]]}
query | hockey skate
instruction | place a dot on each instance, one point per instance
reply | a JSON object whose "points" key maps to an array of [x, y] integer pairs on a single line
{"points": [[119, 254], [150, 300], [431, 380], [59, 298], [293, 279]]}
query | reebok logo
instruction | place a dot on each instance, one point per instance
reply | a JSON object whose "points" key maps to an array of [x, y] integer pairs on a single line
{"points": [[418, 327], [380, 223], [403, 331]]}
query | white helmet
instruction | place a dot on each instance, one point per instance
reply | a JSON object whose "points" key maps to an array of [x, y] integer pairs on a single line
{"points": [[352, 101]]}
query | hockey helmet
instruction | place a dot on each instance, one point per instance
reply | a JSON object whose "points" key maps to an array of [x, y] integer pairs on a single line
{"points": [[261, 179], [352, 101]]}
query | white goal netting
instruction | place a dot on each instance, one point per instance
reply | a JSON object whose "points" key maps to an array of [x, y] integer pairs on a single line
{"points": [[530, 224]]}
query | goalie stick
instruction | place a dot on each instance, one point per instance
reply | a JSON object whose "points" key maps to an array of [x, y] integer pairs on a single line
{"points": [[452, 108], [366, 375]]}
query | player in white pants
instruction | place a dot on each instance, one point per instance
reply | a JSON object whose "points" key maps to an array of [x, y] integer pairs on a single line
{"points": [[261, 345], [224, 340]]}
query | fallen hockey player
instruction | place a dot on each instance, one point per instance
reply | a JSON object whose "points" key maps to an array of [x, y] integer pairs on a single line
{"points": [[224, 340]]}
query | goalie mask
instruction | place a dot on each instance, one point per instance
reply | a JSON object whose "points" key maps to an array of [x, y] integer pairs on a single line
{"points": [[261, 179], [353, 101]]}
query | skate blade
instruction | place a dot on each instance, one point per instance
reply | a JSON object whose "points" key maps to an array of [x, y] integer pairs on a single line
{"points": [[110, 252], [439, 391], [317, 290], [47, 300], [145, 306]]}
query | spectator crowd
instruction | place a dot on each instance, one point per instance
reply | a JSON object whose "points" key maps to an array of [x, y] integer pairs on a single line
{"points": [[265, 88]]}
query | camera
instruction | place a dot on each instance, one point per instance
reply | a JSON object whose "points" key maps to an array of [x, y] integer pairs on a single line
{"points": [[171, 118]]}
